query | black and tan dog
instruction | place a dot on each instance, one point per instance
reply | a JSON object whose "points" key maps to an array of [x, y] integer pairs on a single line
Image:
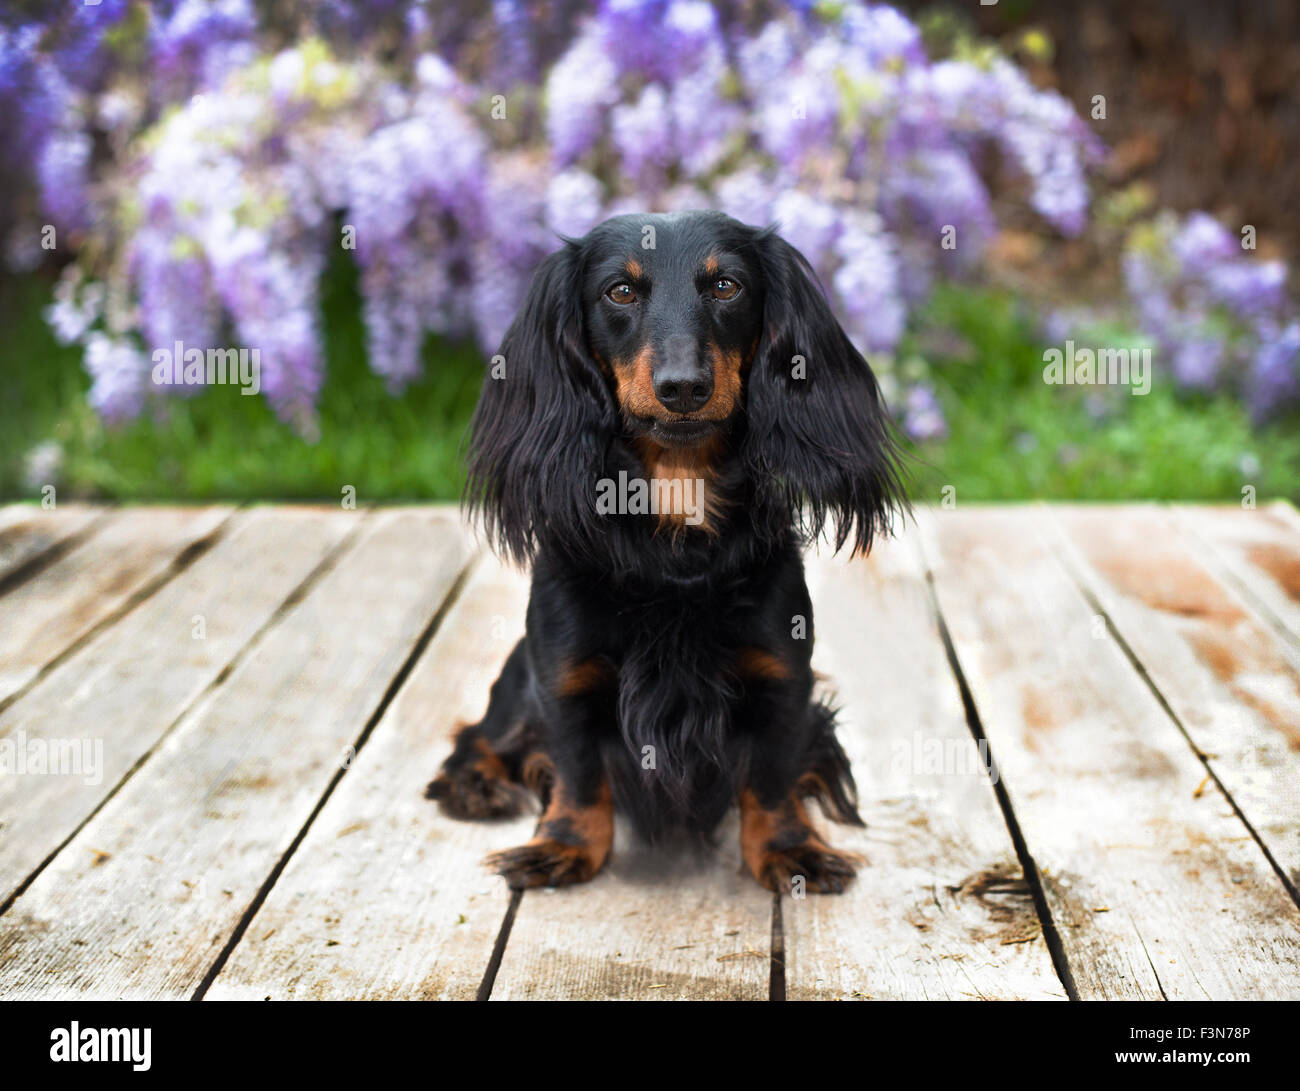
{"points": [[677, 413]]}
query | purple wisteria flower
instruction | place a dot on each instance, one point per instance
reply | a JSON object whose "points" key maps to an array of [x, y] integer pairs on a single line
{"points": [[580, 91], [1219, 315], [233, 168], [922, 415], [201, 41], [574, 203], [119, 374], [1275, 371], [866, 284]]}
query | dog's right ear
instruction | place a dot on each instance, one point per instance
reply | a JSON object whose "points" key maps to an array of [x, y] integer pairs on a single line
{"points": [[820, 442], [543, 421]]}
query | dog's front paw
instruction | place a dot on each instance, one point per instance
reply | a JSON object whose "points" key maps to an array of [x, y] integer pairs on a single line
{"points": [[785, 854], [820, 868], [545, 862]]}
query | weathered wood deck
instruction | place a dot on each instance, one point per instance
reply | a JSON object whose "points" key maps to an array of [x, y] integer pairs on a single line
{"points": [[258, 697]]}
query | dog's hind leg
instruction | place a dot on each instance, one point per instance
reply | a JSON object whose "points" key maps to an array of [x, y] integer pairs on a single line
{"points": [[493, 759]]}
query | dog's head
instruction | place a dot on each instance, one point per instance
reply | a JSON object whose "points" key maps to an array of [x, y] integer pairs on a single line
{"points": [[675, 324], [688, 333]]}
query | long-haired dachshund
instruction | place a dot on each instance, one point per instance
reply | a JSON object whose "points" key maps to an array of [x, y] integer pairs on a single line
{"points": [[674, 412]]}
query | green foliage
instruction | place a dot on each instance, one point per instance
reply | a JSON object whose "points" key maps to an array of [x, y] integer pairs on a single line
{"points": [[220, 443], [42, 381], [1012, 437]]}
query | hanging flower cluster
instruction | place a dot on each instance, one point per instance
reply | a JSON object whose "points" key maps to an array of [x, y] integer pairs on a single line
{"points": [[206, 165]]}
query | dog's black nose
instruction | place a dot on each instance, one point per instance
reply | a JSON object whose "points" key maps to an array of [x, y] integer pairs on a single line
{"points": [[683, 383], [685, 394]]}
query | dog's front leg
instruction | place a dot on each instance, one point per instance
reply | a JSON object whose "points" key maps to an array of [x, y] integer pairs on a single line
{"points": [[783, 851], [793, 755], [576, 830], [572, 842]]}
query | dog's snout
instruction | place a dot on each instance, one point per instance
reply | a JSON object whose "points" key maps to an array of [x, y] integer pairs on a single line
{"points": [[682, 382]]}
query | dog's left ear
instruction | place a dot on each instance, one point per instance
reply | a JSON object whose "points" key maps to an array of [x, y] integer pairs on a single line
{"points": [[819, 438]]}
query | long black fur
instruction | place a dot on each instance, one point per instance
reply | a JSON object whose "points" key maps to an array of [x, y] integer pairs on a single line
{"points": [[667, 613]]}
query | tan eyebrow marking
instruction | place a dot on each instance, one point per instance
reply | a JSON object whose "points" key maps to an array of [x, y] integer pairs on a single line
{"points": [[711, 264], [633, 268]]}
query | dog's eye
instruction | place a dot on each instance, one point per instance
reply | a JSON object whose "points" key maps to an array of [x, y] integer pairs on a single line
{"points": [[725, 288], [621, 294]]}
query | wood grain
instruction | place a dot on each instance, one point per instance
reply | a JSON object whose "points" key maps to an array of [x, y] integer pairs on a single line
{"points": [[1224, 674], [386, 898], [118, 694], [28, 530], [1155, 884], [130, 553], [941, 910], [1258, 550], [220, 766], [143, 899], [656, 924]]}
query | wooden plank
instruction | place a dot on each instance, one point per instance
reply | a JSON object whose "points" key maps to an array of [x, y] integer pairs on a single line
{"points": [[941, 910], [1222, 672], [144, 898], [1258, 550], [1157, 890], [386, 898], [118, 694], [28, 530], [655, 924], [130, 552], [1286, 510]]}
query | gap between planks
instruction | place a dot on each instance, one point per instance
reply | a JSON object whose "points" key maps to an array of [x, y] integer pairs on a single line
{"points": [[1207, 658], [32, 537], [358, 625], [150, 690], [385, 897], [944, 906], [1097, 783], [958, 674], [89, 588], [399, 679]]}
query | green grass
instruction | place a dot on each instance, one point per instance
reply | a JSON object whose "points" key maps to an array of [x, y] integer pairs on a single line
{"points": [[220, 443], [1011, 436]]}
